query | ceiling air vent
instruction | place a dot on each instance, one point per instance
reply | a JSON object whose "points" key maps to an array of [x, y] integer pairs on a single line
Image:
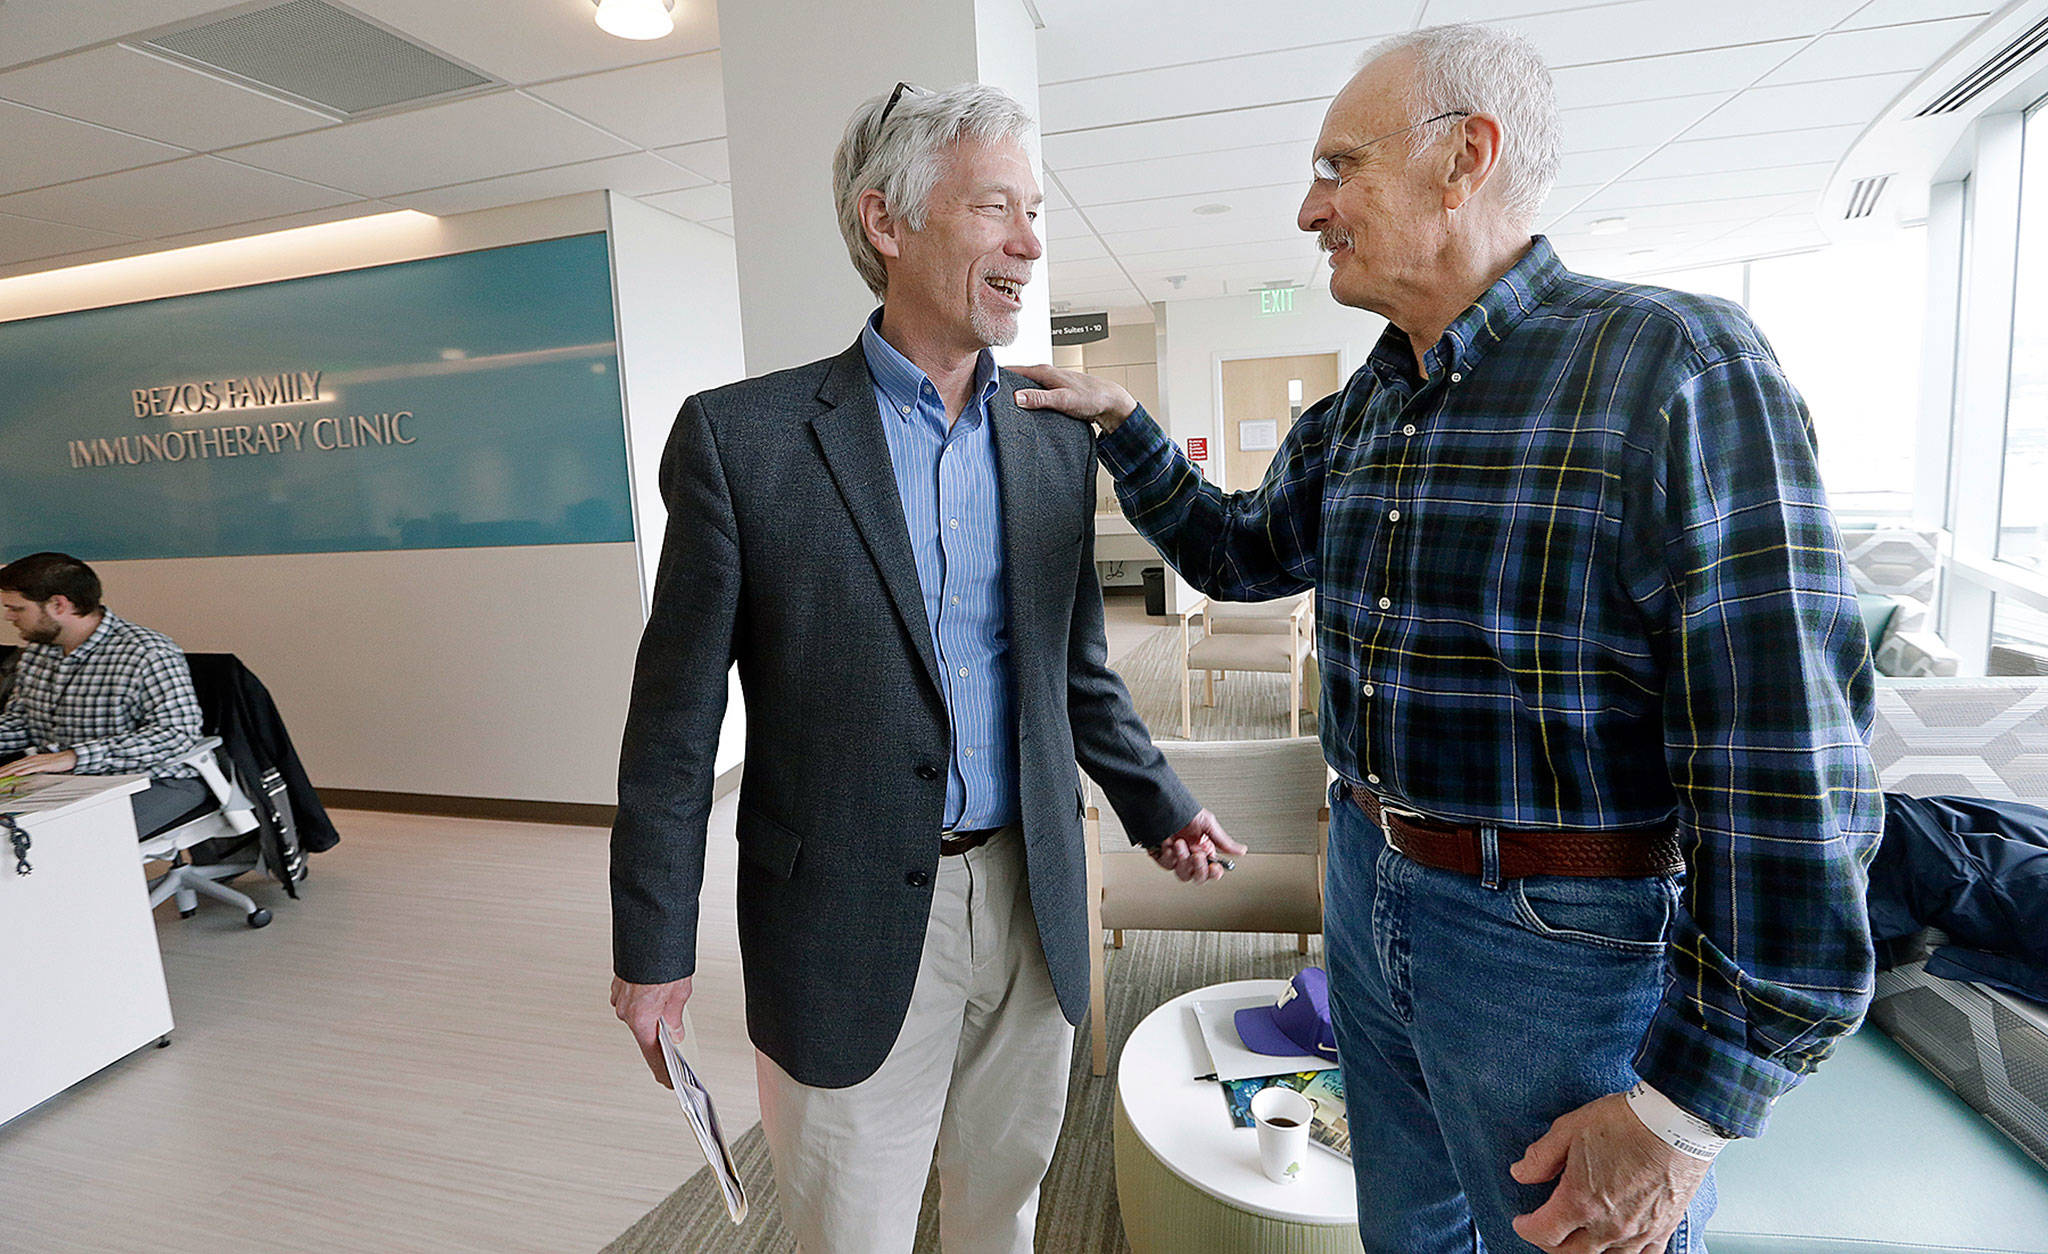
{"points": [[1978, 79], [318, 54], [1863, 197]]}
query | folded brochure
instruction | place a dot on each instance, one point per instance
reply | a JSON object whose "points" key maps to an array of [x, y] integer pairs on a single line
{"points": [[1329, 1126], [696, 1103], [1229, 1059]]}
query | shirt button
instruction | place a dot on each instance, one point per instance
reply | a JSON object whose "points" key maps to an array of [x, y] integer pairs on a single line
{"points": [[1386, 603], [954, 523], [1409, 429], [916, 879], [1393, 515], [963, 672], [956, 600], [1366, 689], [1372, 779], [906, 409], [1456, 377], [970, 753]]}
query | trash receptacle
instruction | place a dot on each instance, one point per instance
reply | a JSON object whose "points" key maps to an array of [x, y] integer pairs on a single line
{"points": [[1155, 591]]}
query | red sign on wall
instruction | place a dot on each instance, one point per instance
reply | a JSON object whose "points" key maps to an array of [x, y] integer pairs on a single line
{"points": [[1198, 448]]}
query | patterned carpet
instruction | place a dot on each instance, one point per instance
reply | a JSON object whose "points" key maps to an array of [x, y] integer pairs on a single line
{"points": [[1078, 1209], [1249, 705]]}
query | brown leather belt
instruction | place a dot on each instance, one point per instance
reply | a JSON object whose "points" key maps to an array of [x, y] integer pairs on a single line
{"points": [[951, 843], [1448, 847]]}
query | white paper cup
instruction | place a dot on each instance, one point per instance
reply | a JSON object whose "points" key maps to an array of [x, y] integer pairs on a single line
{"points": [[1282, 1117]]}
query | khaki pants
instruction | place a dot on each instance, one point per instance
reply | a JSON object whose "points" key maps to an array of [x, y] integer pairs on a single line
{"points": [[979, 1070]]}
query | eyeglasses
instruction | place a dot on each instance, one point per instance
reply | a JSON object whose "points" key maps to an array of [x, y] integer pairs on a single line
{"points": [[895, 96], [1326, 167]]}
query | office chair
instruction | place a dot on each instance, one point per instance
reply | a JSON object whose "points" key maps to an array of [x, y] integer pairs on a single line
{"points": [[230, 815]]}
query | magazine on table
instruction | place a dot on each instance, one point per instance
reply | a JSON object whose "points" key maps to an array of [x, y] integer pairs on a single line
{"points": [[1330, 1126]]}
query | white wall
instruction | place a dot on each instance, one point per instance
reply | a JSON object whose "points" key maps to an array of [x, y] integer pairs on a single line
{"points": [[676, 288], [498, 672]]}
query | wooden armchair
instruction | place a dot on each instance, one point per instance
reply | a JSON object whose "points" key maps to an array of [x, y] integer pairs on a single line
{"points": [[1270, 794]]}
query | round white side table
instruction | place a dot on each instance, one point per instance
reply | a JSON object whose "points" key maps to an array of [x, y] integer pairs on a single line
{"points": [[1187, 1181]]}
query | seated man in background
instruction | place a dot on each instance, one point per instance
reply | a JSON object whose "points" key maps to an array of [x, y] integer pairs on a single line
{"points": [[94, 693]]}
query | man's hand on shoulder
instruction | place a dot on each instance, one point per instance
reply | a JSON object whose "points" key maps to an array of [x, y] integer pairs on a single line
{"points": [[1619, 1186], [642, 1006], [1191, 852], [1076, 395], [61, 762]]}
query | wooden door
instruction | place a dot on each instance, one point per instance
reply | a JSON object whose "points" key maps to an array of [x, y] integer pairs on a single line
{"points": [[1262, 396]]}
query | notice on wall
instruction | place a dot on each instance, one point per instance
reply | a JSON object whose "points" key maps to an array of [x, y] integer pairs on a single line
{"points": [[462, 401], [1258, 435]]}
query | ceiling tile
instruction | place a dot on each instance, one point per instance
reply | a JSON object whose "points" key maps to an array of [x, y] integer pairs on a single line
{"points": [[530, 41], [1301, 247], [1650, 27], [30, 32], [1628, 125], [1234, 83], [1748, 152], [1893, 12], [1269, 205], [464, 140], [1192, 173], [152, 97], [635, 174], [1879, 50], [37, 149], [708, 158], [24, 239], [1839, 102], [1240, 128], [1591, 169], [721, 225], [699, 204], [680, 101], [1693, 189], [1606, 82], [177, 196], [1090, 38]]}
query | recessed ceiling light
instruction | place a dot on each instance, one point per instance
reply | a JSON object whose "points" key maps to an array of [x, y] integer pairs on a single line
{"points": [[1209, 210], [635, 19], [1609, 226]]}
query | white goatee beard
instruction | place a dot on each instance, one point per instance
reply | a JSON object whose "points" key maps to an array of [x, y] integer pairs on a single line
{"points": [[992, 328]]}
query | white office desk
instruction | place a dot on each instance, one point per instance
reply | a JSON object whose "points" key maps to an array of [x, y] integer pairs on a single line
{"points": [[81, 981]]}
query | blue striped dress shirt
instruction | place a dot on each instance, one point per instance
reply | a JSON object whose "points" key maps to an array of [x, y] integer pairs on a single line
{"points": [[947, 479]]}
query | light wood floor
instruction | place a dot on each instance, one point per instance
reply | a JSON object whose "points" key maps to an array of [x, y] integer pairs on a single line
{"points": [[416, 1056]]}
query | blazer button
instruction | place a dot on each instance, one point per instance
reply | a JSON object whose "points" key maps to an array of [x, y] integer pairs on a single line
{"points": [[927, 771], [916, 879]]}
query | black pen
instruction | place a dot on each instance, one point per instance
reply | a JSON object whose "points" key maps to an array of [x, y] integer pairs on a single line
{"points": [[1227, 865]]}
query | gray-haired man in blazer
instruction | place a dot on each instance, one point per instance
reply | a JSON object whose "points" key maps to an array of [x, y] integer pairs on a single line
{"points": [[902, 564]]}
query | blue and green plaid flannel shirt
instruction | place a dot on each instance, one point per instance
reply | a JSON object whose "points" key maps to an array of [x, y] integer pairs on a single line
{"points": [[1583, 576]]}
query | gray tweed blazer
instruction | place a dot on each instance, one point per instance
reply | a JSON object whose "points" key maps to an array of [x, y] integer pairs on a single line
{"points": [[787, 553]]}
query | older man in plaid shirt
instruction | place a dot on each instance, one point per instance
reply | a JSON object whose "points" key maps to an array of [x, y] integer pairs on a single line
{"points": [[1595, 685], [95, 694]]}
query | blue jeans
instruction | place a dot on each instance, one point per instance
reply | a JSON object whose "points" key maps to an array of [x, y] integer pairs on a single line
{"points": [[1469, 1015]]}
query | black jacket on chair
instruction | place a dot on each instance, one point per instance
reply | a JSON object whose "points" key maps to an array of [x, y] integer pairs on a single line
{"points": [[238, 709]]}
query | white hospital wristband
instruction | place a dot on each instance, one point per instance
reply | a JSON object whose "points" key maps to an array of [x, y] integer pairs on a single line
{"points": [[1680, 1129]]}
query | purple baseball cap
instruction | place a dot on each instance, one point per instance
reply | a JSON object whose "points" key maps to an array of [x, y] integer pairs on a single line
{"points": [[1298, 1023]]}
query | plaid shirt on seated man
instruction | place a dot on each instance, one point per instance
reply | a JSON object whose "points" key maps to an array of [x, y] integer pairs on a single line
{"points": [[122, 701]]}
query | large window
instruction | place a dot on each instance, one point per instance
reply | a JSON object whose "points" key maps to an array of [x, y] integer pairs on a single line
{"points": [[1846, 321], [2023, 498]]}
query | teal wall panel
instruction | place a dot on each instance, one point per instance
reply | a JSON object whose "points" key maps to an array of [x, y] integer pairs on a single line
{"points": [[455, 402]]}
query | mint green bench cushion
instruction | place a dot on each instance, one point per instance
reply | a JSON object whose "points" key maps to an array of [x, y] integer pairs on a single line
{"points": [[1875, 1155], [1877, 615]]}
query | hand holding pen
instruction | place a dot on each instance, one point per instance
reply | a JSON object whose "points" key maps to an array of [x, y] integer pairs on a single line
{"points": [[1200, 851]]}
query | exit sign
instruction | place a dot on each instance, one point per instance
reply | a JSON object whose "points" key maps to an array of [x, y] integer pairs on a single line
{"points": [[1276, 300]]}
